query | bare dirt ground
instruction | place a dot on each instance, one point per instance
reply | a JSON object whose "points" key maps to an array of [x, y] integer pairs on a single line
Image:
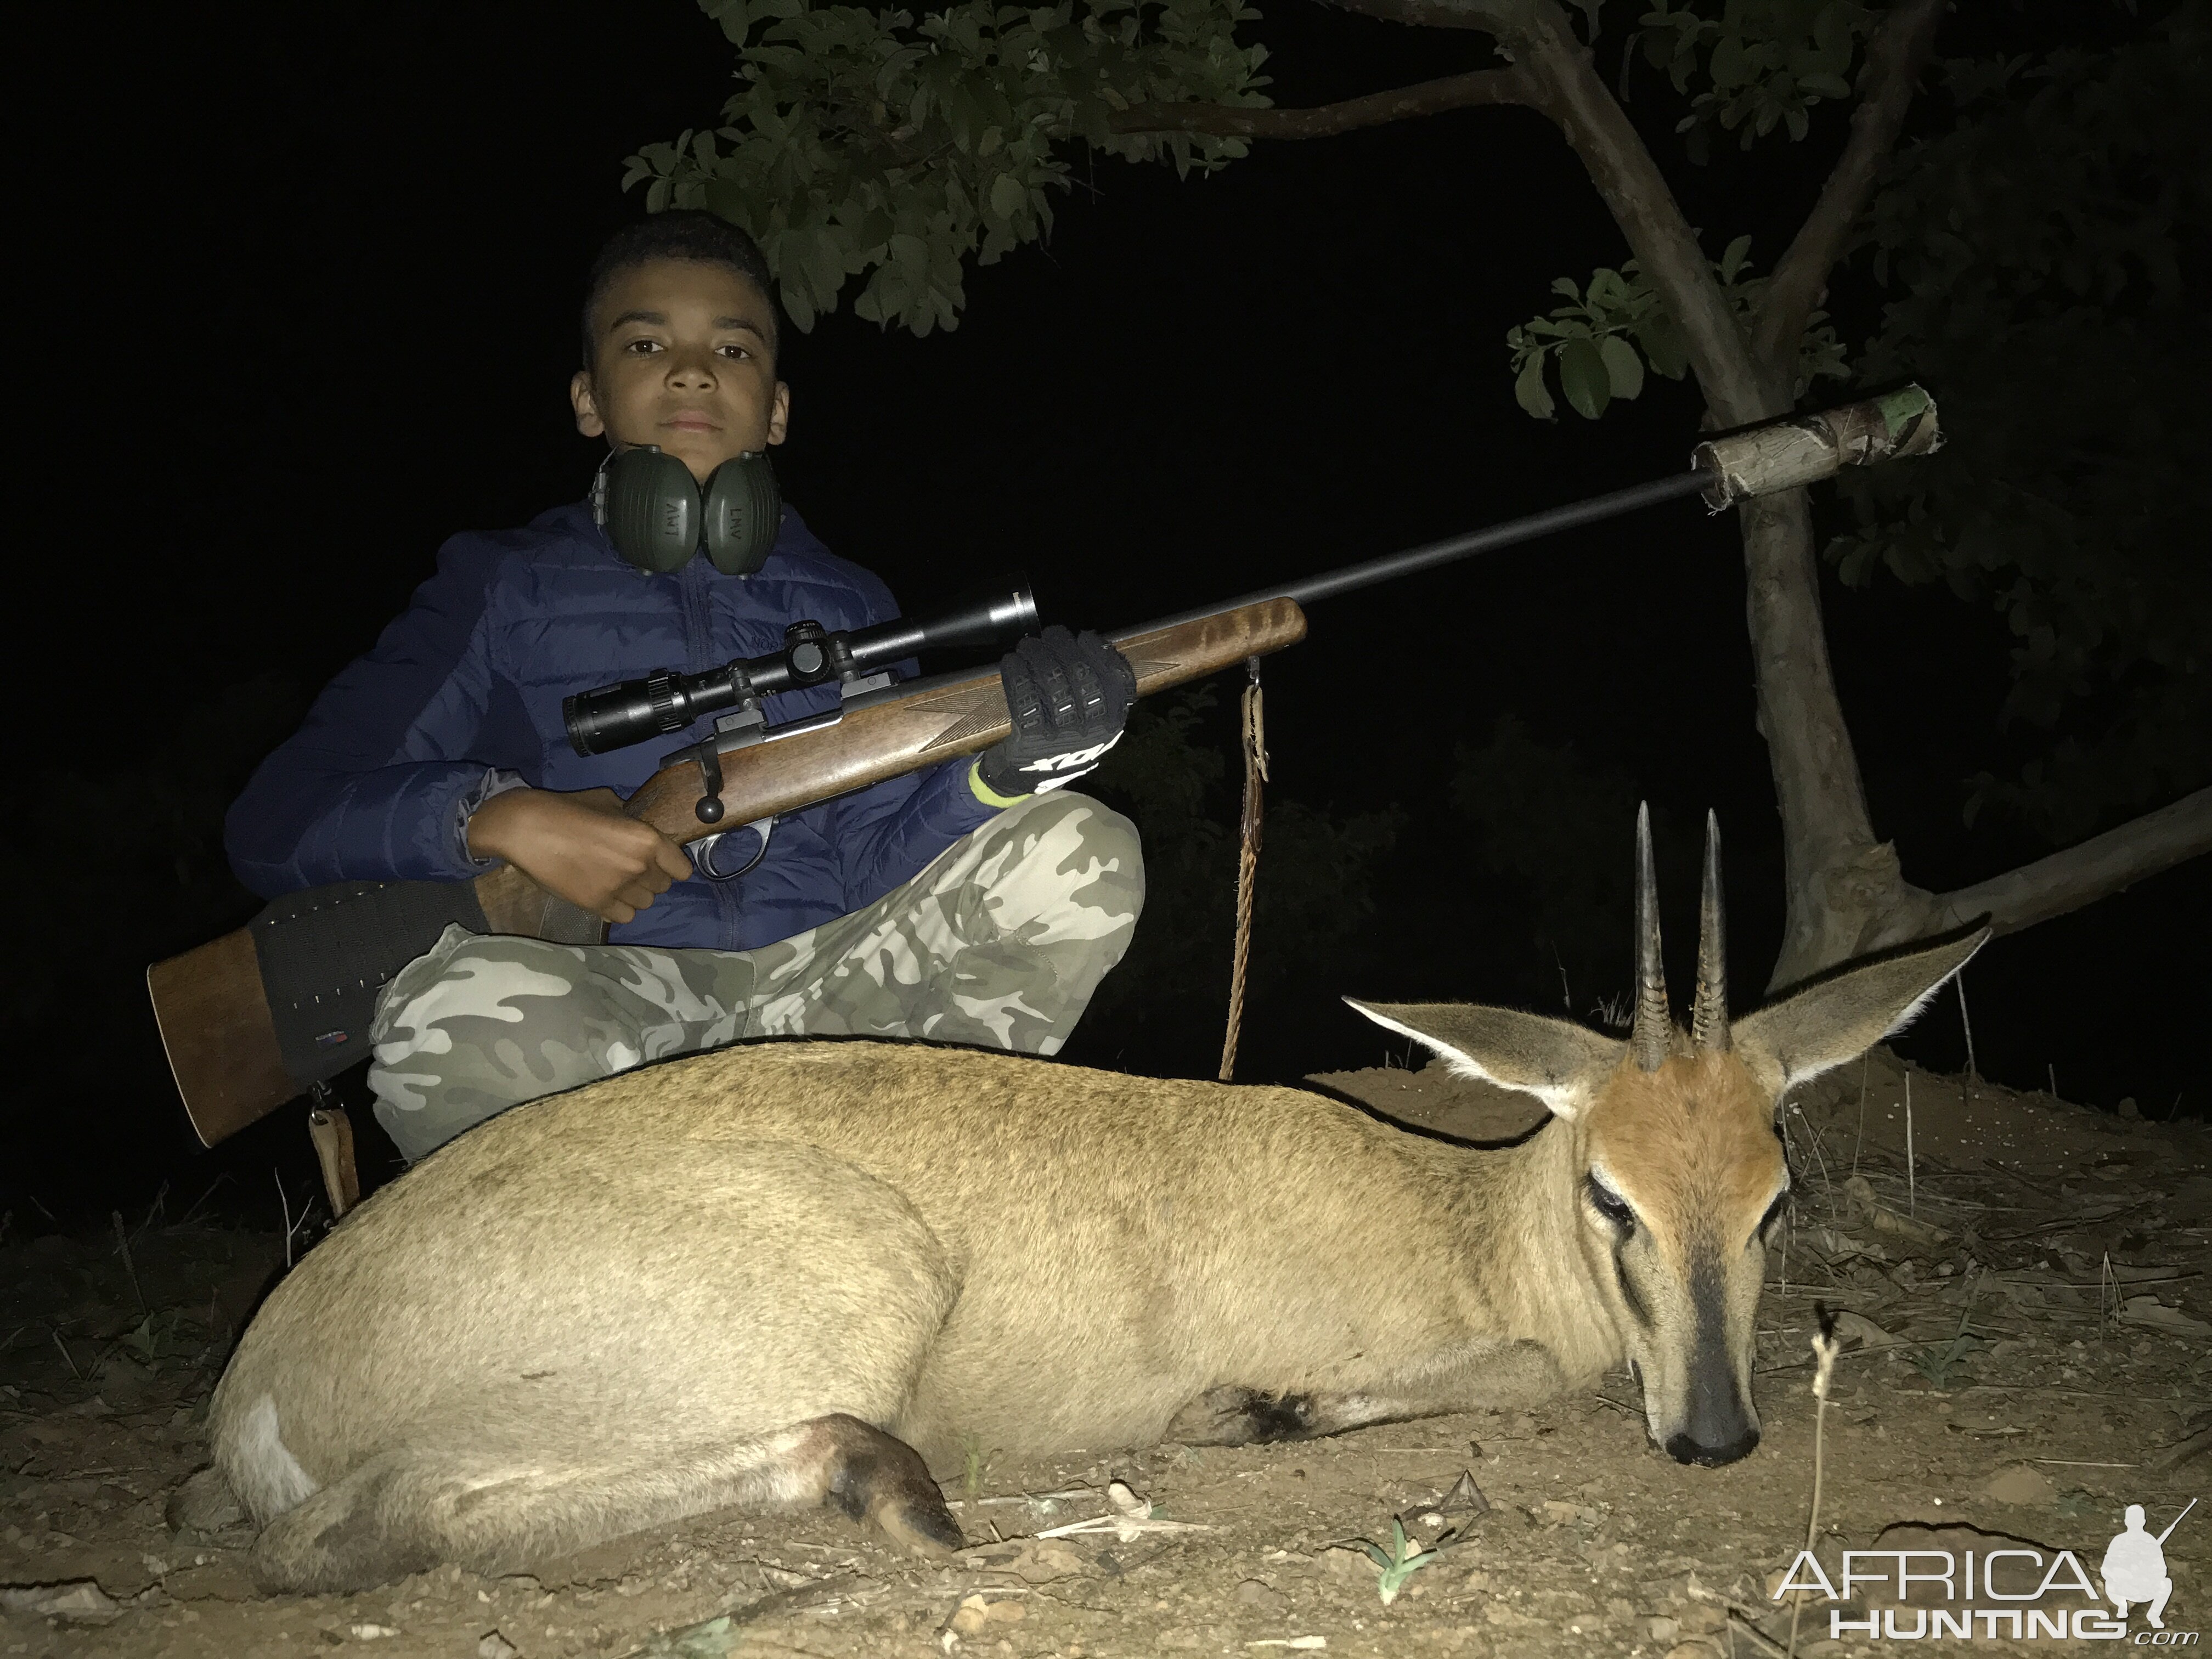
{"points": [[2029, 1352]]}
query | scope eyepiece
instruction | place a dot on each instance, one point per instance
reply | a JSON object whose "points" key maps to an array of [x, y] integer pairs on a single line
{"points": [[615, 716]]}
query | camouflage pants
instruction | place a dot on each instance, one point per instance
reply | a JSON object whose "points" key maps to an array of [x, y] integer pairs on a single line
{"points": [[998, 942]]}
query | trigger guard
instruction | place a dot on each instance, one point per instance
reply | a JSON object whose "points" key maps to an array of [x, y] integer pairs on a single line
{"points": [[702, 851]]}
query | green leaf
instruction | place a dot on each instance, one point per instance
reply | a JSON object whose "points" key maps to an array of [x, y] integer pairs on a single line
{"points": [[1582, 377], [1394, 1578], [1662, 346], [1007, 196], [726, 196], [1728, 65], [1530, 390], [1624, 368], [734, 16], [911, 255]]}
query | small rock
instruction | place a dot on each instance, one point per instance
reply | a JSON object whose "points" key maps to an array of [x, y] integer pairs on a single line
{"points": [[370, 1633], [1693, 1649], [2149, 1310], [1698, 1617], [1349, 1566], [493, 1645], [1044, 1559], [1662, 1629], [1265, 1597], [974, 1615], [2128, 1107], [2021, 1485], [80, 1599]]}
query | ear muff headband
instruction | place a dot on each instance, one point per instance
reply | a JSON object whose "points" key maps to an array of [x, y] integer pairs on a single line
{"points": [[657, 517]]}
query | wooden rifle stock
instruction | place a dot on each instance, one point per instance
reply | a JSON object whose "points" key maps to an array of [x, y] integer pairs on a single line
{"points": [[212, 1005]]}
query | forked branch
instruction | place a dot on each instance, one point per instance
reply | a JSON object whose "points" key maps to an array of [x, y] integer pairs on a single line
{"points": [[1895, 57], [1479, 87], [2099, 868]]}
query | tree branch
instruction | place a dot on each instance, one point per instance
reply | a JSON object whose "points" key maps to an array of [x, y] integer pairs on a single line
{"points": [[1895, 57], [1499, 86], [1566, 85], [2100, 866]]}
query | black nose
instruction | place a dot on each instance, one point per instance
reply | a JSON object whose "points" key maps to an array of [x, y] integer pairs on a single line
{"points": [[1684, 1450]]}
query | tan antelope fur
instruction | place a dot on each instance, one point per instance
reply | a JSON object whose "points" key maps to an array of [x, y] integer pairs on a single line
{"points": [[814, 1271]]}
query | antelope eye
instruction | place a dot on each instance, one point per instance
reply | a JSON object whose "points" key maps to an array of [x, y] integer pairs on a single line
{"points": [[1610, 1205]]}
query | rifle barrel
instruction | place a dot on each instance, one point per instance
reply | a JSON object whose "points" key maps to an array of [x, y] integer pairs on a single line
{"points": [[1351, 577]]}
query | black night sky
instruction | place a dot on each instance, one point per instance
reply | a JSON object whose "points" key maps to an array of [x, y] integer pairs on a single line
{"points": [[305, 289]]}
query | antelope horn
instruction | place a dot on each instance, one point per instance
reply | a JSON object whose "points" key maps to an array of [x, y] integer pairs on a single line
{"points": [[1708, 1020], [1654, 1031]]}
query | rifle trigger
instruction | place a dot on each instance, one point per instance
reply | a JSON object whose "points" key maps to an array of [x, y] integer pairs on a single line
{"points": [[709, 808]]}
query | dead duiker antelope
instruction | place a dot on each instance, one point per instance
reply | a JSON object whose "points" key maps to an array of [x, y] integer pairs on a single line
{"points": [[803, 1272]]}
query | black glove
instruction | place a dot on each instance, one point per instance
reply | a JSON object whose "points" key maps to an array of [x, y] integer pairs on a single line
{"points": [[1069, 694]]}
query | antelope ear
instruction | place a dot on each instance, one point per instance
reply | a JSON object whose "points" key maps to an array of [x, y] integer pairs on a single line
{"points": [[1839, 1017], [1563, 1065]]}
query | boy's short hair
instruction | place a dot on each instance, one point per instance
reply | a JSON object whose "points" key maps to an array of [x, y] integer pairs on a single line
{"points": [[680, 233]]}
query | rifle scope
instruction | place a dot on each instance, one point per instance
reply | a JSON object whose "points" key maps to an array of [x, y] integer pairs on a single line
{"points": [[665, 701]]}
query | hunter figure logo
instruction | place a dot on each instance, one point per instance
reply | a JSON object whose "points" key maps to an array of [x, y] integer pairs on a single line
{"points": [[1947, 1584], [2134, 1566]]}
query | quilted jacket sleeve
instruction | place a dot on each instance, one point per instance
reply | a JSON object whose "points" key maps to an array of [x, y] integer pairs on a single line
{"points": [[377, 783]]}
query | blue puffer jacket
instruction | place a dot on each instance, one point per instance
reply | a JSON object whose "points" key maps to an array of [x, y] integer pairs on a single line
{"points": [[402, 745]]}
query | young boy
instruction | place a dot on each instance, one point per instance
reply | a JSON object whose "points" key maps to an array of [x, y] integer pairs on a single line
{"points": [[970, 903]]}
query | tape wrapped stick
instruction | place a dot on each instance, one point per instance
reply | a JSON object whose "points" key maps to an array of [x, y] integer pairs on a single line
{"points": [[1806, 448]]}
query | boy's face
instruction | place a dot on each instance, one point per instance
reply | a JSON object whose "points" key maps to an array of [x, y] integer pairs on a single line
{"points": [[682, 360]]}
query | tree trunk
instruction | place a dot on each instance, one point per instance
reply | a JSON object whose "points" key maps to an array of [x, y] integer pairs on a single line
{"points": [[1846, 894], [1840, 883]]}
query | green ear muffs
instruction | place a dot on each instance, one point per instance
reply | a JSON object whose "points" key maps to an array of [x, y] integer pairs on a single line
{"points": [[657, 517]]}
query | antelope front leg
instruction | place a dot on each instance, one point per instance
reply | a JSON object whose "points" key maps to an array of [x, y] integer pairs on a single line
{"points": [[1489, 1377]]}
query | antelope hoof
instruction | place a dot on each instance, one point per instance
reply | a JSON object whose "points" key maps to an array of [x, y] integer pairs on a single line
{"points": [[1683, 1450], [877, 1478]]}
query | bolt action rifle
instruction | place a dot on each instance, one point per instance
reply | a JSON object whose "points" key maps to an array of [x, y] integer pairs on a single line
{"points": [[261, 1015]]}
